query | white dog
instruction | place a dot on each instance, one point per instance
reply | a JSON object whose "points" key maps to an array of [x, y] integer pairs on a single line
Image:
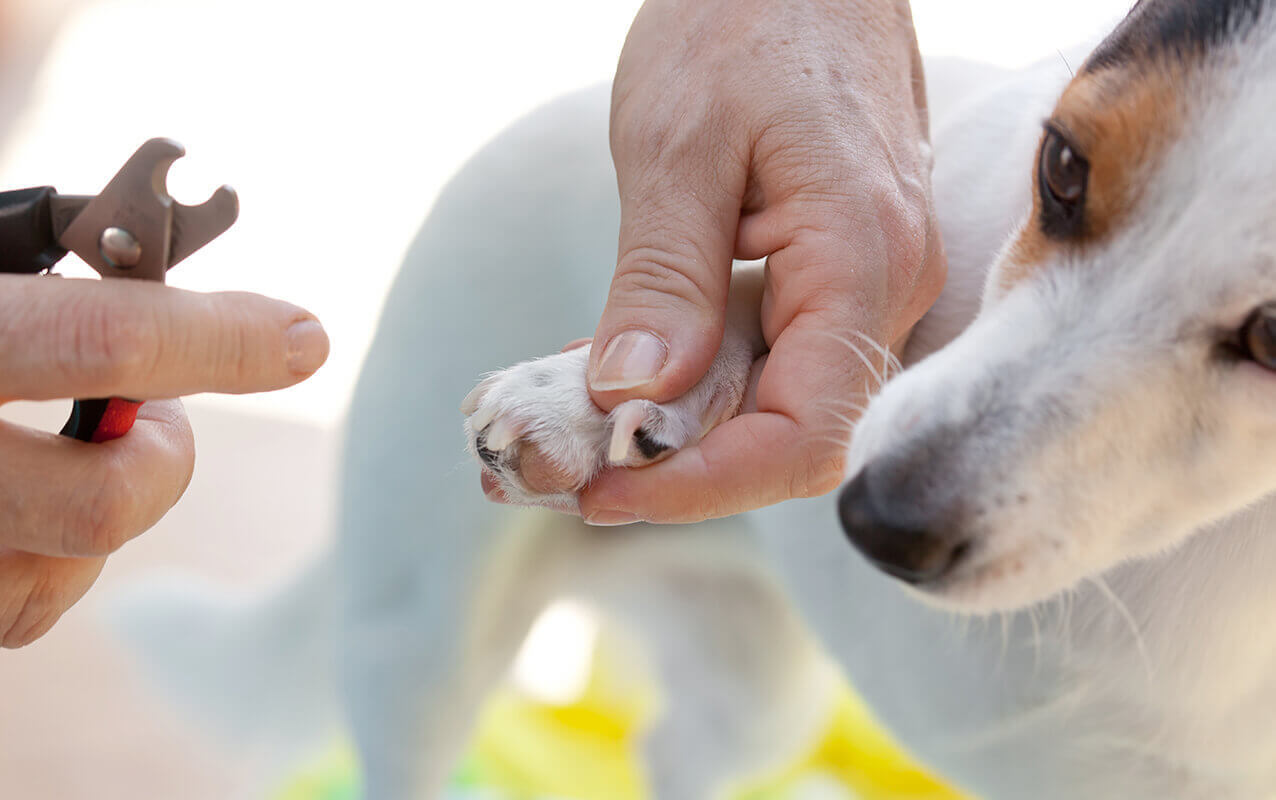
{"points": [[1084, 458]]}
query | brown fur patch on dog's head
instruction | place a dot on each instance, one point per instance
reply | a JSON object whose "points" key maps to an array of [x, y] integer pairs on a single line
{"points": [[1121, 122], [1120, 114]]}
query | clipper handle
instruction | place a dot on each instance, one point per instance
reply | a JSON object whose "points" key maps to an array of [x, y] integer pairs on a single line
{"points": [[26, 229], [101, 420]]}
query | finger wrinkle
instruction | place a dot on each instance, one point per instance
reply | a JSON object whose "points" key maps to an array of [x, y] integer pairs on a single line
{"points": [[110, 343], [99, 528], [823, 472], [39, 591], [232, 345], [670, 274], [819, 313], [35, 609]]}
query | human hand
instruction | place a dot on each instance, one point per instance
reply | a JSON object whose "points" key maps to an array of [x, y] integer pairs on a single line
{"points": [[746, 128], [65, 505]]}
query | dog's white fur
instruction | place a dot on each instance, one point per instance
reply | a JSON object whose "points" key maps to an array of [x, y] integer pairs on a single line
{"points": [[1149, 673]]}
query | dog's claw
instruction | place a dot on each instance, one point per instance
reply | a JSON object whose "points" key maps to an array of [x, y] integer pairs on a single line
{"points": [[626, 421], [482, 418], [471, 402], [501, 436]]}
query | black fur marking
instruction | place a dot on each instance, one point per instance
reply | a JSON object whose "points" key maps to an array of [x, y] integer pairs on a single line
{"points": [[1157, 27], [648, 446]]}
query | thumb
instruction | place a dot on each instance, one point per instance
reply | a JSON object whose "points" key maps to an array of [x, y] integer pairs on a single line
{"points": [[663, 322]]}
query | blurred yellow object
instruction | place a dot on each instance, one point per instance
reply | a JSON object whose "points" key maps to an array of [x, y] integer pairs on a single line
{"points": [[582, 751], [860, 755], [525, 750]]}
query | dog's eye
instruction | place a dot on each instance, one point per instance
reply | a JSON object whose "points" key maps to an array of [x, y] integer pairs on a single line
{"points": [[1063, 172], [1062, 178], [1258, 336]]}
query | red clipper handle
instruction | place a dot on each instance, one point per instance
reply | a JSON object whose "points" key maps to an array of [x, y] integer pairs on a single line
{"points": [[101, 420]]}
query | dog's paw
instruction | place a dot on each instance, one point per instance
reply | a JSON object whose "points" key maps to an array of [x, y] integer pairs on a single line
{"points": [[541, 439]]}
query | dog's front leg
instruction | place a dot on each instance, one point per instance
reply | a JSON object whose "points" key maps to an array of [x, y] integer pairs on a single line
{"points": [[745, 688]]}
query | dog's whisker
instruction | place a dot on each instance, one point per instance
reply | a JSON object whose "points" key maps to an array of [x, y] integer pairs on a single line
{"points": [[848, 421], [1064, 604], [1124, 612], [890, 360], [1036, 639], [466, 463], [1005, 639], [828, 440], [831, 438], [878, 375], [837, 408], [836, 403]]}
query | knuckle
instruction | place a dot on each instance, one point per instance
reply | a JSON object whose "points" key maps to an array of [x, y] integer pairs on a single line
{"points": [[102, 343], [903, 213], [232, 353], [661, 274], [638, 136], [687, 133]]}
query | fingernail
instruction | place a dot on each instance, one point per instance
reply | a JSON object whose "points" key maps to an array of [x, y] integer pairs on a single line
{"points": [[307, 347], [630, 360], [610, 519]]}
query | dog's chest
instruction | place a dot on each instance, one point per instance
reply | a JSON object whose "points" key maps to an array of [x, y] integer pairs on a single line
{"points": [[1174, 670]]}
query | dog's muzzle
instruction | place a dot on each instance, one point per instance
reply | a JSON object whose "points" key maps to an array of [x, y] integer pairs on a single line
{"points": [[894, 534]]}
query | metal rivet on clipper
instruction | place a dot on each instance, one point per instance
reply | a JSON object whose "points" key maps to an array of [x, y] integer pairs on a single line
{"points": [[119, 248]]}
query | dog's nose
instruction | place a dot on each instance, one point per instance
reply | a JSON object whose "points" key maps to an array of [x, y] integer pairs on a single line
{"points": [[891, 537]]}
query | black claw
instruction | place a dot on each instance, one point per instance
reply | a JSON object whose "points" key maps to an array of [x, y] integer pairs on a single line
{"points": [[648, 446], [488, 457]]}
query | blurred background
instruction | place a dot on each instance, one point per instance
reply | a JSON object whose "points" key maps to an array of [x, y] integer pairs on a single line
{"points": [[338, 123]]}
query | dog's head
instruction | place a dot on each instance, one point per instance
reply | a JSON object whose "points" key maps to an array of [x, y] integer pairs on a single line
{"points": [[1118, 389]]}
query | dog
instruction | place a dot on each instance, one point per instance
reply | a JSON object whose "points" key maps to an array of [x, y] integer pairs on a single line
{"points": [[1106, 404], [1059, 563]]}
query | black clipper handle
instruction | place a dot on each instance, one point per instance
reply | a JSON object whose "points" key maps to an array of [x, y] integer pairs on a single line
{"points": [[27, 243]]}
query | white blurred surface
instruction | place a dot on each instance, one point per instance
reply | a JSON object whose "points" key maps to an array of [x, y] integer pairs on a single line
{"points": [[339, 122], [336, 122]]}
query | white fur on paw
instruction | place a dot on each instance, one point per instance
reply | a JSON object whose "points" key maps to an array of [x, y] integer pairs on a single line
{"points": [[545, 404]]}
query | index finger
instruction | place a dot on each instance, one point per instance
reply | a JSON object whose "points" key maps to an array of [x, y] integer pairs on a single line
{"points": [[136, 339]]}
